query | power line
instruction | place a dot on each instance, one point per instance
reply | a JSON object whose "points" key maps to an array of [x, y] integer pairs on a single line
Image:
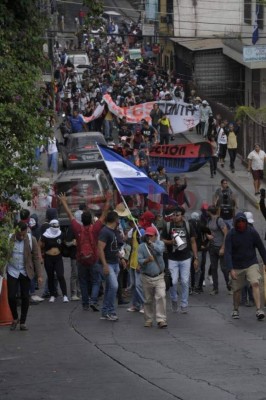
{"points": [[172, 36]]}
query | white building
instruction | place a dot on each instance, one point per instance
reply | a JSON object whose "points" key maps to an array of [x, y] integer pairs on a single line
{"points": [[208, 41]]}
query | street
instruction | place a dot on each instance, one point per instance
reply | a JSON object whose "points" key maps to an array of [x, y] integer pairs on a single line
{"points": [[71, 354]]}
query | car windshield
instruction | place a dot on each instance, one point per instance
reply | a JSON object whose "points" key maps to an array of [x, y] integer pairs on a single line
{"points": [[79, 192], [81, 142], [80, 60]]}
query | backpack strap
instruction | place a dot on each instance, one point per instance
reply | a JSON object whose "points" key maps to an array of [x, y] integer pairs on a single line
{"points": [[217, 224]]}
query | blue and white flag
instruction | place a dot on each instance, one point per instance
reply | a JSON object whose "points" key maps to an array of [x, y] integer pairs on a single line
{"points": [[128, 178], [255, 34]]}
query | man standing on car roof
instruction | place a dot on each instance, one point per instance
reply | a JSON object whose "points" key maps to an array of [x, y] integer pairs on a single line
{"points": [[77, 123]]}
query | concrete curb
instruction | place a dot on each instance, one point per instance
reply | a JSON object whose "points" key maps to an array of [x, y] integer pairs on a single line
{"points": [[233, 181]]}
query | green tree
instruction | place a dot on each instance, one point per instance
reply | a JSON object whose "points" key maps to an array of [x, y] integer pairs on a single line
{"points": [[94, 11], [23, 116]]}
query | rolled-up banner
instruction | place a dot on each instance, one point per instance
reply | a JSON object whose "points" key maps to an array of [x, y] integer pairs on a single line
{"points": [[179, 158]]}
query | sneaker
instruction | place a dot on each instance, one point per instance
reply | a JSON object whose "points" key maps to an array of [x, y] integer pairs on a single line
{"points": [[23, 327], [250, 304], [75, 298], [260, 315], [36, 298], [210, 280], [162, 324], [109, 317], [94, 307], [204, 284], [132, 309], [148, 324], [198, 290], [65, 299], [45, 295], [235, 314], [34, 303], [141, 310], [184, 310], [174, 306], [52, 299], [86, 307], [213, 292]]}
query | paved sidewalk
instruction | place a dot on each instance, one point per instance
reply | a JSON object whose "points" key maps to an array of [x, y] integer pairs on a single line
{"points": [[239, 180]]}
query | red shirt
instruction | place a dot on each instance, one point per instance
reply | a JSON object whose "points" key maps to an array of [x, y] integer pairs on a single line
{"points": [[94, 229]]}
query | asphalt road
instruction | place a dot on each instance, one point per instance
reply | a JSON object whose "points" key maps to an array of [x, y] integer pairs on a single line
{"points": [[70, 354]]}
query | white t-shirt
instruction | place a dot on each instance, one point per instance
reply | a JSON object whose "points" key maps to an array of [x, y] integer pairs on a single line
{"points": [[257, 159], [222, 138], [52, 148]]}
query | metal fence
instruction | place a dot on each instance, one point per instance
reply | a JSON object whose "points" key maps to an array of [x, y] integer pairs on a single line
{"points": [[252, 132]]}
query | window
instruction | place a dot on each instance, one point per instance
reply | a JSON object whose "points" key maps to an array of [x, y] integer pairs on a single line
{"points": [[247, 11], [260, 15], [169, 11]]}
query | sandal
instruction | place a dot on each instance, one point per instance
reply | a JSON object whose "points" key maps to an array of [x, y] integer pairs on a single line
{"points": [[14, 324]]}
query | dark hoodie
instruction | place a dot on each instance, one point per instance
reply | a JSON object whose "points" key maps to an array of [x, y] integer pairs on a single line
{"points": [[240, 246], [35, 230]]}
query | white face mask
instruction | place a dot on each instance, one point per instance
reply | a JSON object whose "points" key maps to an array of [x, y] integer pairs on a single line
{"points": [[54, 230]]}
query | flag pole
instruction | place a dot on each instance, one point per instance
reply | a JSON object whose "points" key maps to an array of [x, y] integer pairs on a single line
{"points": [[123, 199]]}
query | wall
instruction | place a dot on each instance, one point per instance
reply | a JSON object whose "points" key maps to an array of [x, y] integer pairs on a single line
{"points": [[207, 18]]}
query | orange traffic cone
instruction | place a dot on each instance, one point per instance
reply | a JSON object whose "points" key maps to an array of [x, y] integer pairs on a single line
{"points": [[5, 313]]}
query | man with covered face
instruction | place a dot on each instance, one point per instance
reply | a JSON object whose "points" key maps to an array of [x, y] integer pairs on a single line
{"points": [[240, 258]]}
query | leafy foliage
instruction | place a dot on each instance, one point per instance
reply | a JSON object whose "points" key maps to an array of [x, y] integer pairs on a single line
{"points": [[93, 18], [6, 227], [22, 115], [259, 115]]}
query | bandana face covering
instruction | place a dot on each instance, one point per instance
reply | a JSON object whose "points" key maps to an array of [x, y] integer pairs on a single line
{"points": [[241, 225], [55, 231]]}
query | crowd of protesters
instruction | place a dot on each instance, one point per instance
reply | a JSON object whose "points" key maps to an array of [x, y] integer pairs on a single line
{"points": [[142, 253]]}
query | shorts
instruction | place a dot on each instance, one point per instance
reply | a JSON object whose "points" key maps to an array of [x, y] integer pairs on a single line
{"points": [[257, 175], [251, 274]]}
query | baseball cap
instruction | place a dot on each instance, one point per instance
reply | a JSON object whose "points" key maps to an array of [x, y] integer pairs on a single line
{"points": [[151, 231], [249, 217]]}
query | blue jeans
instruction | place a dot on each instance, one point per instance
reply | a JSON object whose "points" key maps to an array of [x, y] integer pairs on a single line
{"points": [[37, 153], [181, 268], [107, 128], [111, 286], [52, 162], [97, 278], [90, 279], [136, 286]]}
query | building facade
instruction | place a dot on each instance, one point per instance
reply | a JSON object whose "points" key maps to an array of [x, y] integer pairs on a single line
{"points": [[207, 47]]}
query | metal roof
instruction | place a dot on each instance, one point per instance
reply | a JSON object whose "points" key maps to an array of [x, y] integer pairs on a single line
{"points": [[199, 44]]}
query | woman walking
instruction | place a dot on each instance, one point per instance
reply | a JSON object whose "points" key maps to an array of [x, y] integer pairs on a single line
{"points": [[232, 146], [222, 144], [51, 247]]}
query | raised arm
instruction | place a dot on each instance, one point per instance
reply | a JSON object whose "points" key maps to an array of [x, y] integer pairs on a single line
{"points": [[63, 200]]}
